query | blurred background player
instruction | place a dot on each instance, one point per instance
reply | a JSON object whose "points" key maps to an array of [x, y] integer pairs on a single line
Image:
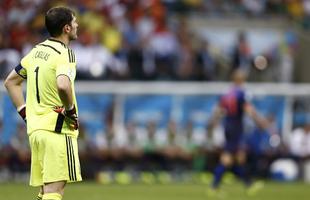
{"points": [[52, 123], [233, 106]]}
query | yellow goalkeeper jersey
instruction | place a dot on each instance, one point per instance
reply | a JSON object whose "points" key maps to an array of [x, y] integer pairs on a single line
{"points": [[40, 67]]}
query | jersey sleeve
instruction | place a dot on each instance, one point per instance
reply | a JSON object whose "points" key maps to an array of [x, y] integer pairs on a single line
{"points": [[21, 71], [66, 65], [21, 68]]}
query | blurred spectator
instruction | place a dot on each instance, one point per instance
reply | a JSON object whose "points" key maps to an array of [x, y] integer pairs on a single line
{"points": [[18, 36], [254, 7], [275, 7], [193, 154], [185, 69], [111, 36], [186, 143], [300, 141], [241, 56], [8, 56], [133, 148], [151, 159], [145, 26], [94, 60], [163, 45], [205, 62], [306, 22], [133, 48], [176, 158], [21, 13], [299, 146], [295, 9]]}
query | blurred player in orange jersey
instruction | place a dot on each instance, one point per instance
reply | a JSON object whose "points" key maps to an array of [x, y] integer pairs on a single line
{"points": [[232, 107]]}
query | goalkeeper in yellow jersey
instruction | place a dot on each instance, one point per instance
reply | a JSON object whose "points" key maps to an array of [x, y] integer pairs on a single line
{"points": [[50, 111]]}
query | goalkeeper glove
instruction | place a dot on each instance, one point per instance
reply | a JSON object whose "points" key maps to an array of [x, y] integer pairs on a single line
{"points": [[22, 112], [71, 117]]}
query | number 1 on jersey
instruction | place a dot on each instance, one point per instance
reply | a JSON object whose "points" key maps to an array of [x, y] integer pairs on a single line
{"points": [[37, 84]]}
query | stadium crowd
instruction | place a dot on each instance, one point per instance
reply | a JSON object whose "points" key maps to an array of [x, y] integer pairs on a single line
{"points": [[149, 40]]}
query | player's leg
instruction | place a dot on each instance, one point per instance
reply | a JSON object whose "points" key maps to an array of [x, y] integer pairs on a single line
{"points": [[40, 195], [226, 161], [60, 164], [36, 178], [239, 169], [54, 191]]}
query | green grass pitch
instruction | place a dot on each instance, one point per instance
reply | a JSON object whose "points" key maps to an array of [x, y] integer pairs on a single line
{"points": [[94, 191]]}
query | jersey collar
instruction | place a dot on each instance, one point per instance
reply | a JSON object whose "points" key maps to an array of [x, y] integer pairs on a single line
{"points": [[53, 40]]}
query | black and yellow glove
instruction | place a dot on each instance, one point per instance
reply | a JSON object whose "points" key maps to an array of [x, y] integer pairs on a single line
{"points": [[70, 116]]}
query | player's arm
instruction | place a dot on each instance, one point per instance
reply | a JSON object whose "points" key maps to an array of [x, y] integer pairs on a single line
{"points": [[259, 120], [13, 84], [217, 115], [64, 81], [65, 94], [65, 91]]}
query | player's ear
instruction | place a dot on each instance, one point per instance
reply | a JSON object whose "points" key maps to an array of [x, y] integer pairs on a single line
{"points": [[67, 28]]}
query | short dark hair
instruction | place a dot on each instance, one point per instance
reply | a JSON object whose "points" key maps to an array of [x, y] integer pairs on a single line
{"points": [[56, 18]]}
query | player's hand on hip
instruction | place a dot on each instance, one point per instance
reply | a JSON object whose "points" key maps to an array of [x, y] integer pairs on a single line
{"points": [[70, 116], [22, 112]]}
